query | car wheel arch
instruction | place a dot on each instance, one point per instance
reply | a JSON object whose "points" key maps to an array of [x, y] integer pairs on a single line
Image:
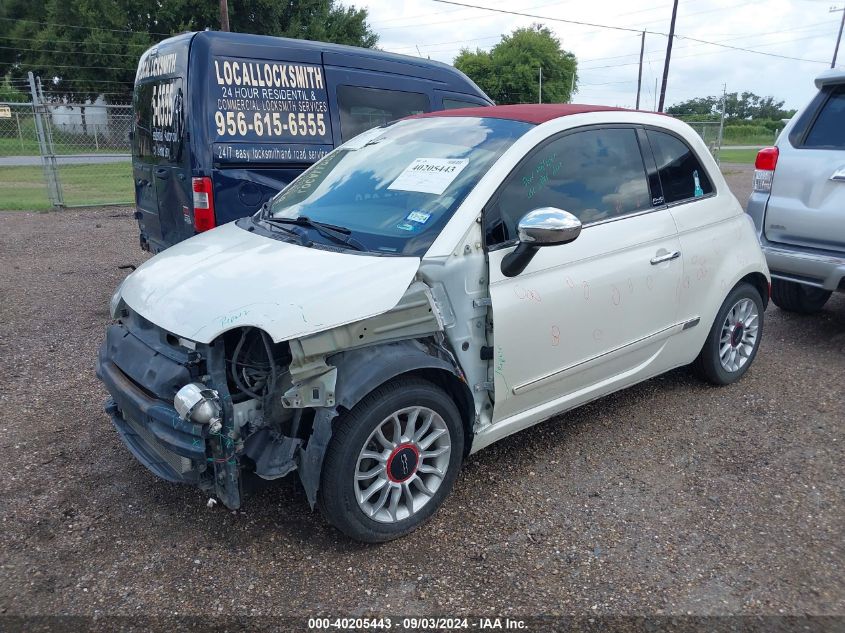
{"points": [[363, 370], [760, 282], [359, 372]]}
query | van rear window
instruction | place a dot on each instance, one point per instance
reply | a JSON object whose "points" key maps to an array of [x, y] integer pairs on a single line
{"points": [[159, 120], [365, 108]]}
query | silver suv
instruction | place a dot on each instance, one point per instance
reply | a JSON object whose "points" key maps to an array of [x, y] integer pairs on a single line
{"points": [[798, 202]]}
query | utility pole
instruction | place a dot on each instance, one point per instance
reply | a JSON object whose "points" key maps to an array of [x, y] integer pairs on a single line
{"points": [[668, 57], [224, 15], [655, 94], [640, 74], [540, 96], [838, 37], [721, 123]]}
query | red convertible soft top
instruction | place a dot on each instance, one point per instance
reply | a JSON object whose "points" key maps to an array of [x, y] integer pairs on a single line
{"points": [[526, 112]]}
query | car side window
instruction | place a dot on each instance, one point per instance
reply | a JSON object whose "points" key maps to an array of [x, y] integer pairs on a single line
{"points": [[680, 172], [828, 131], [595, 174], [459, 104], [364, 108]]}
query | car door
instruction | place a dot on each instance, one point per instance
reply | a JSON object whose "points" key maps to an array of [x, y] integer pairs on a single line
{"points": [[708, 225], [591, 316]]}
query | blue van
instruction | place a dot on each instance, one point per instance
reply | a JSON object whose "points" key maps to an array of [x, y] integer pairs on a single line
{"points": [[223, 121]]}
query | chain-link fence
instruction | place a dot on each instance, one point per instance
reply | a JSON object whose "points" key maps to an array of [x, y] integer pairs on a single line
{"points": [[709, 133], [59, 154]]}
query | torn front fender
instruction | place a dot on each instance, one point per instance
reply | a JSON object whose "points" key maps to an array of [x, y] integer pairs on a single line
{"points": [[359, 372]]}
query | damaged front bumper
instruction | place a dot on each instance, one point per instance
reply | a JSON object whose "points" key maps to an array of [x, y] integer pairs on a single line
{"points": [[170, 447], [141, 376]]}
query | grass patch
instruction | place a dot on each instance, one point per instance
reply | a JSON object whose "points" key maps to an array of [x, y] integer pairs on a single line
{"points": [[745, 156], [24, 188], [29, 147]]}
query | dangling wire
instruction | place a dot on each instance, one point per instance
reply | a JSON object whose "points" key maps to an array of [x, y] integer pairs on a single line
{"points": [[257, 375]]}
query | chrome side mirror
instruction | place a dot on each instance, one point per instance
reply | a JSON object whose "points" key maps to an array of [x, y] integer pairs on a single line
{"points": [[545, 226]]}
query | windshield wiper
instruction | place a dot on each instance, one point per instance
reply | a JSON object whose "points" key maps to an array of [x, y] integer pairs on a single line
{"points": [[302, 238], [333, 232]]}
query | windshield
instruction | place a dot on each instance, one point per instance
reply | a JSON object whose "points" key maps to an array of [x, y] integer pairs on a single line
{"points": [[394, 188]]}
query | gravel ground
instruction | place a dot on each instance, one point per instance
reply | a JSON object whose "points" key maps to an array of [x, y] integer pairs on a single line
{"points": [[671, 497]]}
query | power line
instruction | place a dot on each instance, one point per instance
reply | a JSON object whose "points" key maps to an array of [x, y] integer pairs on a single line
{"points": [[53, 41], [541, 17], [629, 30], [475, 39], [683, 47], [53, 52], [798, 39], [473, 17], [51, 66], [75, 26]]}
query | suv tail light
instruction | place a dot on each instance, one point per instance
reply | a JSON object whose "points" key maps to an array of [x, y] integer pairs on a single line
{"points": [[764, 168], [203, 204]]}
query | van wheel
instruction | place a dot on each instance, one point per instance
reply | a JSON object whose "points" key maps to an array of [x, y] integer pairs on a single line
{"points": [[391, 461], [795, 297], [734, 338]]}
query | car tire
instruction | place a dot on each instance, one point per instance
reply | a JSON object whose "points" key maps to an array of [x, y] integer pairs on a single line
{"points": [[795, 297], [368, 454], [734, 337]]}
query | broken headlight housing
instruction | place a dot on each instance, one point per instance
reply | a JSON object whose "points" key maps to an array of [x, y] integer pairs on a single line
{"points": [[197, 403]]}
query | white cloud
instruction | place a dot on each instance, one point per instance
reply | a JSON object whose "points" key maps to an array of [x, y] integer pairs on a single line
{"points": [[607, 60]]}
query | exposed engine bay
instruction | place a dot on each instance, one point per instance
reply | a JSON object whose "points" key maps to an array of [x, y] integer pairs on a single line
{"points": [[247, 403]]}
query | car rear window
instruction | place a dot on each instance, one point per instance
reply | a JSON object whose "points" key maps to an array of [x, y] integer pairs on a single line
{"points": [[680, 171], [828, 131]]}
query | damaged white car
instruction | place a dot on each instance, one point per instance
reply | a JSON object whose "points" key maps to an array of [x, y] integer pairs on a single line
{"points": [[428, 288]]}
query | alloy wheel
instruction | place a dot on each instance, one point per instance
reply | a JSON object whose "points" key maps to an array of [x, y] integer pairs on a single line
{"points": [[402, 464], [739, 335]]}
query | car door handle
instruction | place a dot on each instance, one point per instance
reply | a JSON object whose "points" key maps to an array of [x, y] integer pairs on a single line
{"points": [[162, 173], [839, 174], [659, 259]]}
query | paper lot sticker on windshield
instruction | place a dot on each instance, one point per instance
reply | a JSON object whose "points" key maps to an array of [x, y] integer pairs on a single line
{"points": [[429, 175]]}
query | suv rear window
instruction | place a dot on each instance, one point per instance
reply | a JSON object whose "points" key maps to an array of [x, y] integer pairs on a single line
{"points": [[828, 131], [681, 174], [365, 108]]}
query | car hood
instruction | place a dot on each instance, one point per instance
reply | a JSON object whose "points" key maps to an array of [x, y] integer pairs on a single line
{"points": [[229, 278]]}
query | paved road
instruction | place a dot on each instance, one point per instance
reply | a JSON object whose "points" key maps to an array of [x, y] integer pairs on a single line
{"points": [[78, 159]]}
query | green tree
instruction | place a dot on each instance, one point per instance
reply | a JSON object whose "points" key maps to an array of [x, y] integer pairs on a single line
{"points": [[510, 72], [738, 106], [79, 47]]}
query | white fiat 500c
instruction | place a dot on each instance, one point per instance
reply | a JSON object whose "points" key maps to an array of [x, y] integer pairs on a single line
{"points": [[426, 289]]}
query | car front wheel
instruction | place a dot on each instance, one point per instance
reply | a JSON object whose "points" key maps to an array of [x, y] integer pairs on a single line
{"points": [[392, 461], [734, 338], [794, 297]]}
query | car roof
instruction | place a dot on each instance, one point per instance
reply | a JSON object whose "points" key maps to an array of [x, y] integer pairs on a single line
{"points": [[525, 112]]}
